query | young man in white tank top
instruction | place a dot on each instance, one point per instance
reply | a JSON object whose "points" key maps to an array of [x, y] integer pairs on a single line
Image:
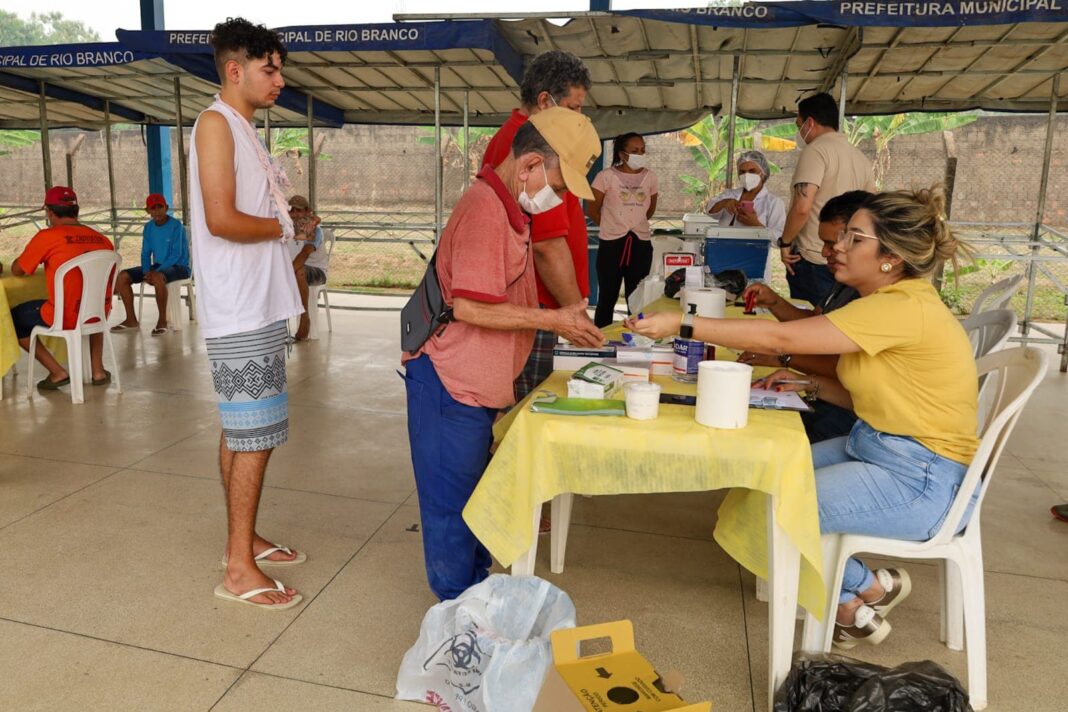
{"points": [[246, 292]]}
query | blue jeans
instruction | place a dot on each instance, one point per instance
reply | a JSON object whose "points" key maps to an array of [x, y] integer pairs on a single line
{"points": [[810, 281], [450, 444], [882, 485], [171, 274]]}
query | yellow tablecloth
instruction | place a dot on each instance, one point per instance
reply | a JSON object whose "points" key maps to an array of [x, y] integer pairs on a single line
{"points": [[15, 291], [541, 456]]}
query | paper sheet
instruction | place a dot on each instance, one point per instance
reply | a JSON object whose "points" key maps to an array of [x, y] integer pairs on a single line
{"points": [[772, 400]]}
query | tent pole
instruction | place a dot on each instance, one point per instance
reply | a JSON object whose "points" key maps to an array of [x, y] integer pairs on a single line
{"points": [[842, 100], [1040, 211], [183, 178], [111, 166], [46, 151], [311, 153], [467, 140], [438, 177], [733, 116]]}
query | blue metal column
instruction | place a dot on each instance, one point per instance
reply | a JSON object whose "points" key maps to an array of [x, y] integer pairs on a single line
{"points": [[157, 138], [596, 6]]}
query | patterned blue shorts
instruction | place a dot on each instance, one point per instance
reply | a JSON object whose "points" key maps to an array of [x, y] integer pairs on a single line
{"points": [[249, 374]]}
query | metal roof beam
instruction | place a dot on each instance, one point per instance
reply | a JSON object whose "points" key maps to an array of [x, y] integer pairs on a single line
{"points": [[31, 86]]}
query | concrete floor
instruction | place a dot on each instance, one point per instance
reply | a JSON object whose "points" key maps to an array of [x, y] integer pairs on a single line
{"points": [[112, 525]]}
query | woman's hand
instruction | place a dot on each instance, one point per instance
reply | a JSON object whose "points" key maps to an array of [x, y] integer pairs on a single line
{"points": [[748, 218], [656, 326], [728, 204], [784, 380], [755, 359]]}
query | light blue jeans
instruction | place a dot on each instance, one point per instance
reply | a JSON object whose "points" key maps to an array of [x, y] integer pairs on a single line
{"points": [[878, 484]]}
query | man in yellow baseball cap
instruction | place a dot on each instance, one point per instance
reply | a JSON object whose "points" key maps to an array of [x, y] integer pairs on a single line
{"points": [[485, 269]]}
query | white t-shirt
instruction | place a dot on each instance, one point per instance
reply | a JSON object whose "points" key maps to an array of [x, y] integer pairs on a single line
{"points": [[240, 286], [626, 201], [318, 257]]}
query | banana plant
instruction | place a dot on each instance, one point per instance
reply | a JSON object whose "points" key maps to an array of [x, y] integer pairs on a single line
{"points": [[454, 148], [293, 142], [15, 139], [881, 130], [707, 141]]}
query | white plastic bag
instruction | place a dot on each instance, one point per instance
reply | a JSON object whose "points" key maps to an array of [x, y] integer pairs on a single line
{"points": [[488, 650]]}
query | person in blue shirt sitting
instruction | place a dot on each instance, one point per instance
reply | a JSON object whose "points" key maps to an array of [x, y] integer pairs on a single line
{"points": [[164, 258]]}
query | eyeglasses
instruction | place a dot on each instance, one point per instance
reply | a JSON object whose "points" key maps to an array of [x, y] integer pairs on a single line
{"points": [[848, 236]]}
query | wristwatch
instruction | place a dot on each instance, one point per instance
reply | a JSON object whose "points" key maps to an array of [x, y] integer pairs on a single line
{"points": [[785, 359], [780, 244]]}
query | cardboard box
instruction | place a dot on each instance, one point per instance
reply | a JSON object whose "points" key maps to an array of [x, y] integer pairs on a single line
{"points": [[572, 358], [595, 380], [632, 372], [619, 681], [658, 358]]}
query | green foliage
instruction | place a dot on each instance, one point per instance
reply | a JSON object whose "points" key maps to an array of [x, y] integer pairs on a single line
{"points": [[884, 129], [707, 141], [454, 148], [15, 139], [41, 29], [292, 142]]}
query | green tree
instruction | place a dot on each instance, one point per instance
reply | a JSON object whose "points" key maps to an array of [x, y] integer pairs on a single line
{"points": [[293, 142], [453, 147], [707, 141], [884, 129], [42, 29], [13, 139]]}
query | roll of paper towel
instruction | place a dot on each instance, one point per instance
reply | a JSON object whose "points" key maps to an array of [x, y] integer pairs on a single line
{"points": [[723, 394], [710, 301]]}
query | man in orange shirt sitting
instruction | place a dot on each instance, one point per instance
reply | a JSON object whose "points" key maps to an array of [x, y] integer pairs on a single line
{"points": [[63, 240]]}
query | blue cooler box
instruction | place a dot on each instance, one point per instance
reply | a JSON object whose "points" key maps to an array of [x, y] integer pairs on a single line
{"points": [[748, 253]]}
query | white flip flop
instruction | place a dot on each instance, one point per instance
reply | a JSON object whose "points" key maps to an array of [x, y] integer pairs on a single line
{"points": [[262, 559], [222, 592]]}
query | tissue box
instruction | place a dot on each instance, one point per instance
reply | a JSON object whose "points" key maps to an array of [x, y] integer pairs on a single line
{"points": [[658, 358], [595, 380], [572, 358], [612, 682]]}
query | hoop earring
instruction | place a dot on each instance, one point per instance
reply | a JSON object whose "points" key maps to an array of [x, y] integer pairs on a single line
{"points": [[886, 267]]}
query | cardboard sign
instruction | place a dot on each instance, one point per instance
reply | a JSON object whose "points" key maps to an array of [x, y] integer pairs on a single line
{"points": [[620, 681]]}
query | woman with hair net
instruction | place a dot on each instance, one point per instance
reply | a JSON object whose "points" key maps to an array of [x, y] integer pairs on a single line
{"points": [[750, 204]]}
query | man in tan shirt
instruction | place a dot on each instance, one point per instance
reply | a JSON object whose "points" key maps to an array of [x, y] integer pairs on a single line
{"points": [[829, 166]]}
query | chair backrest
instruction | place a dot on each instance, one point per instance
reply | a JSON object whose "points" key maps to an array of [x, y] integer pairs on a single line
{"points": [[997, 295], [989, 331], [329, 240], [98, 269], [1011, 377]]}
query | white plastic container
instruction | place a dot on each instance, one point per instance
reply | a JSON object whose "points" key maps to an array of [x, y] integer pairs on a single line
{"points": [[643, 400]]}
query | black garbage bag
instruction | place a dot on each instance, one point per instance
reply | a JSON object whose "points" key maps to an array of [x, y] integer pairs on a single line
{"points": [[731, 280], [832, 683]]}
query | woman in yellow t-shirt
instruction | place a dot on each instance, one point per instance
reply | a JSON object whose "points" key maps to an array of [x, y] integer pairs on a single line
{"points": [[905, 367]]}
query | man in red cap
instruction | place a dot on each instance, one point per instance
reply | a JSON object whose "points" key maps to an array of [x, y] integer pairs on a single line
{"points": [[164, 258], [64, 239]]}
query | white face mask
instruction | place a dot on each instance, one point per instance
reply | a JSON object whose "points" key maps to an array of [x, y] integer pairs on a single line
{"points": [[635, 161], [801, 140], [750, 181], [544, 200]]}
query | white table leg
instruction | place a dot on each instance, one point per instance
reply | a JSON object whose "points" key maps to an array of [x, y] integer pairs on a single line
{"points": [[561, 519], [784, 567], [524, 565]]}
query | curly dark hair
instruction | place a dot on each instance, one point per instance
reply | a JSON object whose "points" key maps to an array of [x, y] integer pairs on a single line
{"points": [[555, 72], [620, 143], [236, 34]]}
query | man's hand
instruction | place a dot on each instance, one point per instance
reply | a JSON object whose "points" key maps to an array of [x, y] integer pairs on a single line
{"points": [[575, 325], [764, 296], [789, 258], [755, 359], [655, 326], [304, 228]]}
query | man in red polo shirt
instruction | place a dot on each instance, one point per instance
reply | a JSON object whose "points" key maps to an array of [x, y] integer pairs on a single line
{"points": [[561, 253], [463, 375], [63, 240]]}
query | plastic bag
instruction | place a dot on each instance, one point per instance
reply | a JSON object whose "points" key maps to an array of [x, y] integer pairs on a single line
{"points": [[832, 683], [488, 650]]}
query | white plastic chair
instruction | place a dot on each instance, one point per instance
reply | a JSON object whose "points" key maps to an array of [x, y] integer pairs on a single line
{"points": [[314, 290], [174, 301], [99, 270], [997, 295], [990, 330], [1013, 375]]}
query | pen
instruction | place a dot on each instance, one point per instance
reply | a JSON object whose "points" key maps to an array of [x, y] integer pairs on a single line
{"points": [[792, 382]]}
